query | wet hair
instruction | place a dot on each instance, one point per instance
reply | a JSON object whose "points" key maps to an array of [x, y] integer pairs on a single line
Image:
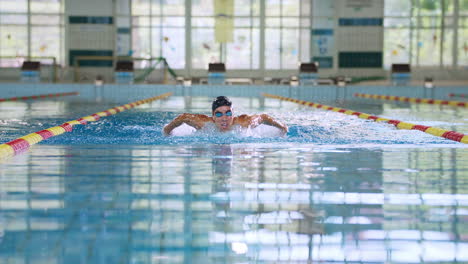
{"points": [[220, 101]]}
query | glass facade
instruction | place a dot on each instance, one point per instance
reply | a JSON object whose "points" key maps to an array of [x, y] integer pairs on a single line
{"points": [[242, 52], [158, 30], [267, 34], [31, 29], [285, 26], [426, 32]]}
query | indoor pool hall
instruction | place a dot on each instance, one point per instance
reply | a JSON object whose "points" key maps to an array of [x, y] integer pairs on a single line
{"points": [[341, 137]]}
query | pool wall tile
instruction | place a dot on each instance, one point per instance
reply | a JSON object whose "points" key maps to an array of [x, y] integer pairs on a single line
{"points": [[123, 93]]}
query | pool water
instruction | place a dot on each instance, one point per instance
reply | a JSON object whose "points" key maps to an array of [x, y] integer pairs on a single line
{"points": [[335, 189]]}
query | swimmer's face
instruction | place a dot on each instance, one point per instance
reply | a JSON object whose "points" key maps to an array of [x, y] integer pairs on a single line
{"points": [[223, 118]]}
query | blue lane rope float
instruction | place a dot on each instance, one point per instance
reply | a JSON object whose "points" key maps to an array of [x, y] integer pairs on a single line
{"points": [[40, 96], [452, 135], [23, 144]]}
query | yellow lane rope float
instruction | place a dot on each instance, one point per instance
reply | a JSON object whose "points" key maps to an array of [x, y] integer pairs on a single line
{"points": [[412, 100], [452, 135], [40, 96], [22, 144]]}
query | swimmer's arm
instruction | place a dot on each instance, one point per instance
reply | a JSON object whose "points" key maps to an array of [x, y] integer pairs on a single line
{"points": [[194, 120], [256, 120], [268, 120]]}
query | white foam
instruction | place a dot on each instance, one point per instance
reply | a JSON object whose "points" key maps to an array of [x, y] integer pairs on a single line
{"points": [[262, 131], [183, 130]]}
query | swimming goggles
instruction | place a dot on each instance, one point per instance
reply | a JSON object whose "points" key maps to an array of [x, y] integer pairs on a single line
{"points": [[219, 114]]}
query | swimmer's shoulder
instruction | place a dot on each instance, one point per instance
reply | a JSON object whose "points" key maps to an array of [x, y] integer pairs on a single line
{"points": [[191, 116], [243, 120], [196, 120], [201, 120]]}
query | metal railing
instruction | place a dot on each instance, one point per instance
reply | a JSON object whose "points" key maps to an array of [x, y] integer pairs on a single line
{"points": [[154, 62]]}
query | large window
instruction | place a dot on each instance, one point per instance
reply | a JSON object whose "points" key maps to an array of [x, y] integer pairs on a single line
{"points": [[426, 32], [203, 46], [158, 30], [31, 29], [242, 52], [267, 34], [287, 29]]}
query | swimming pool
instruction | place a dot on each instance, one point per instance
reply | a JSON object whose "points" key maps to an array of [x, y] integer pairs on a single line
{"points": [[336, 189]]}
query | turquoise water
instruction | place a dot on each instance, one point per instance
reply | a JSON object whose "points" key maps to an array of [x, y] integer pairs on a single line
{"points": [[336, 189]]}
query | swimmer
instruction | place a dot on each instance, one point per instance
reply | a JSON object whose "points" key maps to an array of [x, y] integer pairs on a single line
{"points": [[222, 117]]}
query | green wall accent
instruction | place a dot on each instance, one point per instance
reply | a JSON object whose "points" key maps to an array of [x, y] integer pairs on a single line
{"points": [[90, 63], [360, 60], [90, 20]]}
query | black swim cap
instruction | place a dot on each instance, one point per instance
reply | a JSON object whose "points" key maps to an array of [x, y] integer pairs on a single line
{"points": [[220, 101]]}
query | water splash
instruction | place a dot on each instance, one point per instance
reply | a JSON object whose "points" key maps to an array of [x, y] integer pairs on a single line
{"points": [[144, 128]]}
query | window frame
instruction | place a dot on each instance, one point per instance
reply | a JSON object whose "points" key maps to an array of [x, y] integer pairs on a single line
{"points": [[29, 14]]}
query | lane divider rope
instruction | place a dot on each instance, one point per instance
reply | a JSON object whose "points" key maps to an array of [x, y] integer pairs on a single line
{"points": [[458, 95], [22, 144], [452, 135], [412, 100], [40, 96]]}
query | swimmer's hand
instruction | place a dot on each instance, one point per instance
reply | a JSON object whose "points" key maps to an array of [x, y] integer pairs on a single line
{"points": [[166, 131], [284, 130]]}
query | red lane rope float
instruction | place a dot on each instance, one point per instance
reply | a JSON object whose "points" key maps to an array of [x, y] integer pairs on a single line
{"points": [[458, 95], [452, 135], [40, 96], [412, 100], [22, 144]]}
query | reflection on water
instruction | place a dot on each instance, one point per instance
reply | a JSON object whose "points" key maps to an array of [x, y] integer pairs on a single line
{"points": [[234, 203], [335, 190]]}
